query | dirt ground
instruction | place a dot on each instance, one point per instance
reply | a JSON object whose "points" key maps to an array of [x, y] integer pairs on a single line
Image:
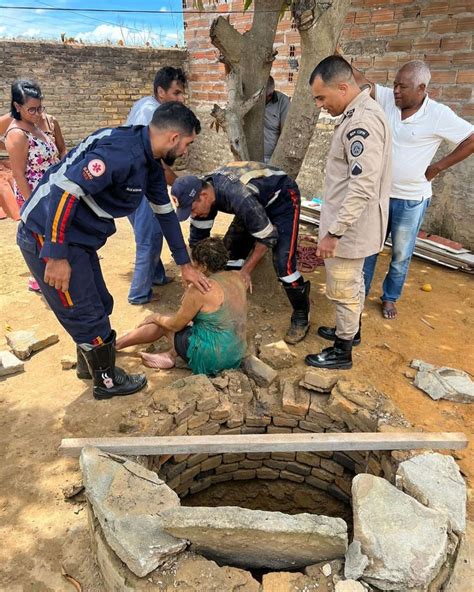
{"points": [[40, 530]]}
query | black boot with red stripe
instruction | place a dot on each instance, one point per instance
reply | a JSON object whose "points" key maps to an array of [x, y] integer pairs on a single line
{"points": [[299, 299], [109, 380]]}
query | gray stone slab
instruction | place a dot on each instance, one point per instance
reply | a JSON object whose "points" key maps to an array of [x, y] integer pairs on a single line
{"points": [[10, 364], [128, 500], [24, 343], [406, 543], [462, 576], [253, 538], [435, 481], [443, 383], [355, 562]]}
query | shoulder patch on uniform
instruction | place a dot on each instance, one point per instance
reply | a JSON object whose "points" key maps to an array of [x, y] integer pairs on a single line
{"points": [[358, 131], [350, 113], [356, 169], [96, 167], [357, 148], [85, 173]]}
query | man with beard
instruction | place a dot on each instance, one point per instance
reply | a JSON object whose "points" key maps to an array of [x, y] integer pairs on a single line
{"points": [[71, 214]]}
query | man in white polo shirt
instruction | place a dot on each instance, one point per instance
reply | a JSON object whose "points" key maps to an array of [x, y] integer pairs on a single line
{"points": [[418, 125]]}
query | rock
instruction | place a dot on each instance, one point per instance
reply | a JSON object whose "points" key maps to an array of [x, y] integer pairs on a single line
{"points": [[10, 364], [259, 371], [327, 570], [295, 401], [24, 343], [220, 382], [128, 500], [444, 383], [435, 481], [316, 569], [277, 355], [355, 562], [253, 538], [463, 570], [349, 586], [68, 362], [319, 380], [406, 543]]}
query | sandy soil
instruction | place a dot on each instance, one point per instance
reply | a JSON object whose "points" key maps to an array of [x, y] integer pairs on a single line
{"points": [[40, 530]]}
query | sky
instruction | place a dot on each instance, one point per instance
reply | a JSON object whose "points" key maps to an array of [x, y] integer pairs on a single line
{"points": [[159, 29]]}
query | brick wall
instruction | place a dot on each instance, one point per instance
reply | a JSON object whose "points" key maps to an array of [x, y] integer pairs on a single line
{"points": [[85, 87], [378, 38]]}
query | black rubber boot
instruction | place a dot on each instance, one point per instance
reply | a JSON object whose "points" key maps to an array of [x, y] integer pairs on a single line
{"points": [[299, 300], [329, 333], [109, 380], [338, 357], [82, 369]]}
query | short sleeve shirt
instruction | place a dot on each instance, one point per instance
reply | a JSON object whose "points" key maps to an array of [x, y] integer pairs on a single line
{"points": [[416, 140], [142, 111]]}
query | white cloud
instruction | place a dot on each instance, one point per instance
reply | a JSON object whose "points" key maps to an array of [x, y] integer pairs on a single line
{"points": [[31, 32], [102, 33], [172, 36], [2, 30], [40, 10], [163, 9]]}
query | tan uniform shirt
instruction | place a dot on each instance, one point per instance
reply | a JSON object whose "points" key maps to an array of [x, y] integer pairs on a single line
{"points": [[358, 178]]}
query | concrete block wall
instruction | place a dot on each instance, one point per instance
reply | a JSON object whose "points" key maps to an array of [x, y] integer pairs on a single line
{"points": [[85, 87]]}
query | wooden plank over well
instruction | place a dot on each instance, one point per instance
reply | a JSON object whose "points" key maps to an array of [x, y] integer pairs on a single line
{"points": [[299, 442]]}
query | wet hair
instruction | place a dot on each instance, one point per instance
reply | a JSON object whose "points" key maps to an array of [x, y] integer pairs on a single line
{"points": [[211, 254], [333, 69], [165, 77], [22, 90], [176, 116], [420, 72]]}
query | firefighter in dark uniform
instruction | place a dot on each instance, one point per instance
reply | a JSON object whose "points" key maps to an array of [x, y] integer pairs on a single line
{"points": [[71, 214], [266, 204]]}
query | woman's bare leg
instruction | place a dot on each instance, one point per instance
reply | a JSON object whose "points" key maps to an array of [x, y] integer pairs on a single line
{"points": [[145, 334]]}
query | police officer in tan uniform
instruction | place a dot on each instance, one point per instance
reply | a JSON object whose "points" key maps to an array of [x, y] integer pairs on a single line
{"points": [[354, 213]]}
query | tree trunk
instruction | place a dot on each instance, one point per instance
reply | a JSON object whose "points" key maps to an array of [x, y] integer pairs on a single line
{"points": [[320, 28], [248, 59]]}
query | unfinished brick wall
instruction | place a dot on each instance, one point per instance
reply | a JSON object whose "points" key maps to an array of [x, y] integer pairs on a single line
{"points": [[378, 38], [85, 87]]}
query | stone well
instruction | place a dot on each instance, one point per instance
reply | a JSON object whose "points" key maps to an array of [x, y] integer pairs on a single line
{"points": [[276, 497]]}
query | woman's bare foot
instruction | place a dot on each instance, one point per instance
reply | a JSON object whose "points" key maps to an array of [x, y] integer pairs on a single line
{"points": [[163, 361], [389, 310]]}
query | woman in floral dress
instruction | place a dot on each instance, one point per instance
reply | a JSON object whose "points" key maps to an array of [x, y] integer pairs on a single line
{"points": [[33, 141]]}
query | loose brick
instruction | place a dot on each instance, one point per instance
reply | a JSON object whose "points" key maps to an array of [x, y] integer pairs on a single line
{"points": [[280, 421], [197, 420]]}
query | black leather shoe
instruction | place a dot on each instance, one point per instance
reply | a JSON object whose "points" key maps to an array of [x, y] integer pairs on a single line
{"points": [[338, 357], [329, 333]]}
